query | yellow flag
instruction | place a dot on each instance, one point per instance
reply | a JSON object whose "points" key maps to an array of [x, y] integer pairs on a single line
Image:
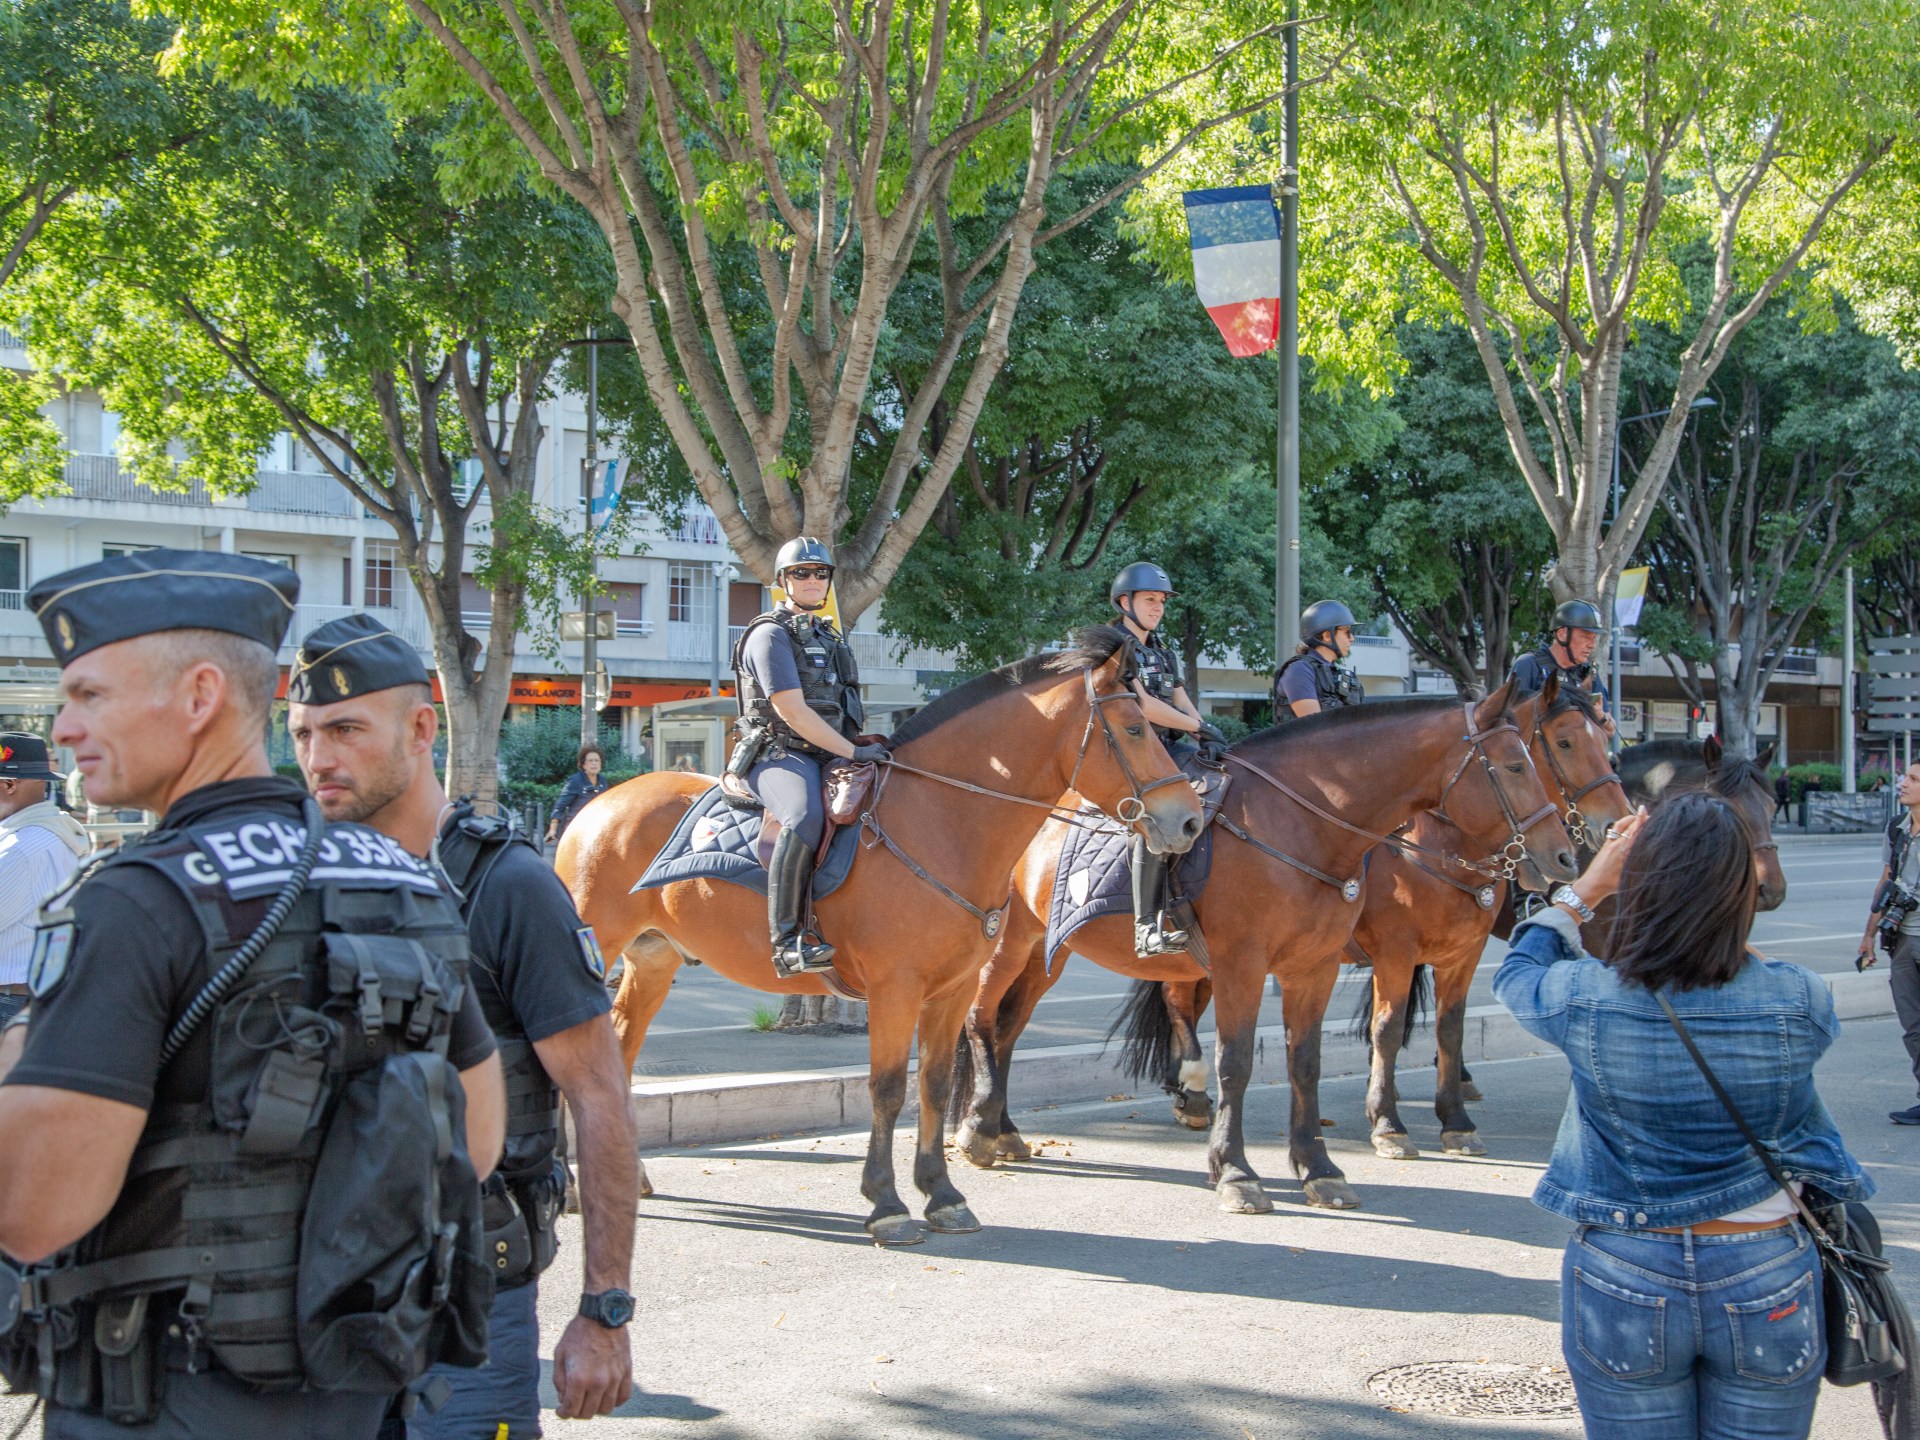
{"points": [[1629, 597]]}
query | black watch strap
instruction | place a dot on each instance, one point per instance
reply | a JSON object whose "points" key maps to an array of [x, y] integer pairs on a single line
{"points": [[611, 1308]]}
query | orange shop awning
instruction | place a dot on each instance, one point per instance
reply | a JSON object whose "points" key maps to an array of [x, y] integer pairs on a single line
{"points": [[561, 690]]}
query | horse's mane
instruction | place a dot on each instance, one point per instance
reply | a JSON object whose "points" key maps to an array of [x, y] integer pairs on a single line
{"points": [[1401, 708], [1690, 768], [1093, 646]]}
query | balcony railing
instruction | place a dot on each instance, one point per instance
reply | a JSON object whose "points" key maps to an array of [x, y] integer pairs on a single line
{"points": [[99, 477], [11, 339], [289, 493], [405, 620], [13, 599]]}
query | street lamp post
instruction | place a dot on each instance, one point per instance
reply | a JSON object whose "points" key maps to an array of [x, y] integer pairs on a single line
{"points": [[1701, 402]]}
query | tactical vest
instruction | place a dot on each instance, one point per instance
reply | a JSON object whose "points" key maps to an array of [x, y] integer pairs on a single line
{"points": [[523, 1197], [829, 682], [255, 1222], [1572, 677], [1158, 670], [1333, 685]]}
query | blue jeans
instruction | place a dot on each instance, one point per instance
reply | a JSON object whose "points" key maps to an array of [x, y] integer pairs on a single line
{"points": [[1688, 1336], [505, 1389]]}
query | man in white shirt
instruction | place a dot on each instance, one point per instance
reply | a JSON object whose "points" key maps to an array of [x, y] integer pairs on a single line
{"points": [[40, 848]]}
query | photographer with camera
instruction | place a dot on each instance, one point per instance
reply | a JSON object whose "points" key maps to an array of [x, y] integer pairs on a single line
{"points": [[1896, 922]]}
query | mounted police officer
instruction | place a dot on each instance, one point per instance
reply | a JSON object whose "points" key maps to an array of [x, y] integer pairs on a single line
{"points": [[1140, 593], [238, 1133], [363, 725], [1567, 652], [1313, 679], [799, 692]]}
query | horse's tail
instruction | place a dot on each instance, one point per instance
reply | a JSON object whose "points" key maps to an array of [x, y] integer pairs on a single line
{"points": [[1147, 1052], [1419, 1006], [960, 1094]]}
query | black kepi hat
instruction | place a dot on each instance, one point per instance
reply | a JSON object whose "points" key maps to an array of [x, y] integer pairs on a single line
{"points": [[150, 591], [24, 757], [352, 656]]}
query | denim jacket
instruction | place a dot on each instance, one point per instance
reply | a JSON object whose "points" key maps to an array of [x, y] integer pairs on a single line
{"points": [[1643, 1142]]}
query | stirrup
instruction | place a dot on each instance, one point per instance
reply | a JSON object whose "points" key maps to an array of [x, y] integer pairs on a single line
{"points": [[804, 954], [1157, 937]]}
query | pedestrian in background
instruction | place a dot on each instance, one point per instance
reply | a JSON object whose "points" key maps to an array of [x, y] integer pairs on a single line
{"points": [[1895, 897], [40, 848], [580, 787], [1690, 1291]]}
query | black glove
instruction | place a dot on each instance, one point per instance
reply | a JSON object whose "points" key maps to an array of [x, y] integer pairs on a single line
{"points": [[870, 754], [1211, 736]]}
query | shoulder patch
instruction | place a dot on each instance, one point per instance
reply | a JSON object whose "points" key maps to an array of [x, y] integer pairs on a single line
{"points": [[47, 967], [590, 952]]}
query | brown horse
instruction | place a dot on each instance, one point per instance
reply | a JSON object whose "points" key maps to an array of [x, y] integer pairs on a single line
{"points": [[1309, 800], [974, 777], [1420, 913]]}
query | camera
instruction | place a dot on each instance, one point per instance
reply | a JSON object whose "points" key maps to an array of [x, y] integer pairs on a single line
{"points": [[1895, 902]]}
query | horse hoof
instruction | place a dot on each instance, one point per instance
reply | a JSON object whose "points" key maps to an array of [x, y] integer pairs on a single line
{"points": [[1244, 1197], [1009, 1146], [1392, 1145], [1194, 1109], [1462, 1142], [1470, 1093], [953, 1220], [646, 1185], [1330, 1192], [980, 1152], [896, 1230]]}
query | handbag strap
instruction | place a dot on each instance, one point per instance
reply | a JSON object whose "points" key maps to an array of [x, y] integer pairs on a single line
{"points": [[1819, 1231]]}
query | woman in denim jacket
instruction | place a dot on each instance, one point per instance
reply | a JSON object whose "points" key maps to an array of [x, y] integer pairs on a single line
{"points": [[1690, 1295]]}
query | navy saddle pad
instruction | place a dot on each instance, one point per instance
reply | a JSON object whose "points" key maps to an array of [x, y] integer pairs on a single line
{"points": [[1094, 877], [714, 841]]}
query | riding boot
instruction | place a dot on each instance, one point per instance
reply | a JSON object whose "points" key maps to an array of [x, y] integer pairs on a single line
{"points": [[789, 875], [1153, 933]]}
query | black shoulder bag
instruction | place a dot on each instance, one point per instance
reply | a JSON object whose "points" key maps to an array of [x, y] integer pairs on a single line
{"points": [[1869, 1332]]}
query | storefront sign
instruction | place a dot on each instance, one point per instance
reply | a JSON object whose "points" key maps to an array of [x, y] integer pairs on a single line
{"points": [[559, 690]]}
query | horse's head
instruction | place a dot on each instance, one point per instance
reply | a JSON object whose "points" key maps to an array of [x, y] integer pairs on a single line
{"points": [[1499, 803], [1569, 747], [1113, 758], [1743, 784]]}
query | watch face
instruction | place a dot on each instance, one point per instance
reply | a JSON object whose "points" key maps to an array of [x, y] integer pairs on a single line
{"points": [[612, 1308]]}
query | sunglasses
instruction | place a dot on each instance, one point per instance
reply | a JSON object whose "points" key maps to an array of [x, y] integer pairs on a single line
{"points": [[810, 572]]}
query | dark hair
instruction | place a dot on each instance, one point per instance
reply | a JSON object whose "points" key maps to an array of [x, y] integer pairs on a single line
{"points": [[580, 760], [1687, 897]]}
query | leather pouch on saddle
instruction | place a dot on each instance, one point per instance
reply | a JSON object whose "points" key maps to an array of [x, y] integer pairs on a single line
{"points": [[848, 785]]}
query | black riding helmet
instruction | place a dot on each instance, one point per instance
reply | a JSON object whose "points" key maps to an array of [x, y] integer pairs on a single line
{"points": [[1317, 619], [802, 550], [1578, 615], [1140, 575]]}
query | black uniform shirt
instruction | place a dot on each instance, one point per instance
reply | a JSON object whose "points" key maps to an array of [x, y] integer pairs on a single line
{"points": [[529, 949], [137, 962]]}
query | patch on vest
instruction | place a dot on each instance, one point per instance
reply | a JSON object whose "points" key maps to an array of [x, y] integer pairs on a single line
{"points": [[258, 857], [590, 952], [47, 967]]}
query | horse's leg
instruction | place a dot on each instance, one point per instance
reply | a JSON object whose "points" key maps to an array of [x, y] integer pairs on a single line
{"points": [[645, 980], [989, 1045], [891, 1015], [940, 1021], [1016, 1013], [1392, 988], [1236, 999], [1186, 1000], [1457, 1133], [1303, 1006]]}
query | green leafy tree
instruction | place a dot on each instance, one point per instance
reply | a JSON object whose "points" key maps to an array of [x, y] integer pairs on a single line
{"points": [[813, 150], [1811, 453], [1439, 523], [313, 275]]}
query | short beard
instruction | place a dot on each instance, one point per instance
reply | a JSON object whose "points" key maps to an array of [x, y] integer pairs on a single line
{"points": [[373, 793]]}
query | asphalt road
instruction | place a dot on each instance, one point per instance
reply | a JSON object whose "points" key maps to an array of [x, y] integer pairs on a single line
{"points": [[706, 1025]]}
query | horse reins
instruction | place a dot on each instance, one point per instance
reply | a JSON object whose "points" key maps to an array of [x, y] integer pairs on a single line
{"points": [[1502, 866], [991, 920], [1576, 822]]}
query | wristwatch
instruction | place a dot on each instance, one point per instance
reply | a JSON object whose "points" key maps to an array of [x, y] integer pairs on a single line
{"points": [[1566, 896], [611, 1308]]}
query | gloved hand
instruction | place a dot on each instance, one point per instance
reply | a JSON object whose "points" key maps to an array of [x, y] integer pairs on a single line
{"points": [[1210, 735], [870, 754]]}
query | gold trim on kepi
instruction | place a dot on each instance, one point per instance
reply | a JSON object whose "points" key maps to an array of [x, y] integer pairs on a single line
{"points": [[350, 657], [150, 591]]}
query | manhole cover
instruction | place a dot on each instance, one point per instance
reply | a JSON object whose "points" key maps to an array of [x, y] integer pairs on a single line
{"points": [[1467, 1387]]}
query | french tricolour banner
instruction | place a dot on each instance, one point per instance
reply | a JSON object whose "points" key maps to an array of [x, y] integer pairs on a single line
{"points": [[1236, 263]]}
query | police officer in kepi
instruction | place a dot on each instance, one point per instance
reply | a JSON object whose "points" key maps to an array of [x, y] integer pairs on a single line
{"points": [[1140, 593], [244, 1115], [363, 725], [1567, 652], [1313, 679], [799, 692]]}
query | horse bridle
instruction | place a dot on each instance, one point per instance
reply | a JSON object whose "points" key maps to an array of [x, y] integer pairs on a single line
{"points": [[1578, 830], [1138, 797]]}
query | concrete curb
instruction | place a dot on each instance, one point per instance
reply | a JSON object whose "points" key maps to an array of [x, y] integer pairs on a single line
{"points": [[713, 1109]]}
